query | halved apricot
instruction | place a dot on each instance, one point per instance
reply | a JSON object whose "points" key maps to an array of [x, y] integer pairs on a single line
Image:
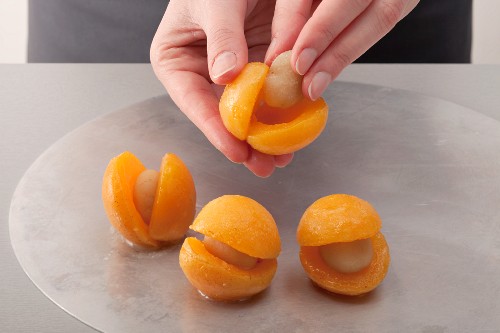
{"points": [[175, 201], [238, 100], [243, 229], [350, 226], [355, 283], [279, 137], [246, 115], [173, 207], [219, 280]]}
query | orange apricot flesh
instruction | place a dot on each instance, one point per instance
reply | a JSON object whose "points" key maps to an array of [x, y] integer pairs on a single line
{"points": [[238, 257], [219, 280], [173, 206], [342, 222], [355, 283], [246, 115], [286, 137], [239, 98]]}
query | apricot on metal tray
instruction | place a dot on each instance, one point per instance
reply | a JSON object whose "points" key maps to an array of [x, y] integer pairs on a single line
{"points": [[148, 208], [238, 256], [341, 247], [273, 123]]}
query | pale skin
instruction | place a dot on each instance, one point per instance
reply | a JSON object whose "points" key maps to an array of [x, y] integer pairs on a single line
{"points": [[202, 45]]}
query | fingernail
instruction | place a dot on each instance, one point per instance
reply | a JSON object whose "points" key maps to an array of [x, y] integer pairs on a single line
{"points": [[270, 49], [320, 81], [223, 63], [305, 60]]}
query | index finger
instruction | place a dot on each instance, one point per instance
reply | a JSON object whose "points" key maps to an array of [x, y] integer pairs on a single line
{"points": [[198, 101], [290, 16]]}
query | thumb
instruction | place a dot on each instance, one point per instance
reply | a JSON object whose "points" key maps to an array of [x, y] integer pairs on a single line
{"points": [[227, 50]]}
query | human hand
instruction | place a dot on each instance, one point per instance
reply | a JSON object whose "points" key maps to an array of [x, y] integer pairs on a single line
{"points": [[193, 34], [225, 34], [328, 35]]}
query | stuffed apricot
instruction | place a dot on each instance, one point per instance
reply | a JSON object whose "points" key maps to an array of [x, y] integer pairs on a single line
{"points": [[237, 258], [149, 208], [269, 111], [341, 247]]}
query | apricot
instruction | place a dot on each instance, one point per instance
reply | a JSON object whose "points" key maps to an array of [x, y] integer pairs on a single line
{"points": [[238, 255], [341, 247], [270, 115], [149, 208]]}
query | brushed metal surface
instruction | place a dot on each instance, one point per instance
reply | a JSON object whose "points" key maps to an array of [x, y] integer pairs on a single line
{"points": [[430, 167]]}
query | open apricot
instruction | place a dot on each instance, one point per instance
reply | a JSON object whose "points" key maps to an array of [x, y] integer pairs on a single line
{"points": [[270, 129], [238, 257], [148, 208], [341, 247]]}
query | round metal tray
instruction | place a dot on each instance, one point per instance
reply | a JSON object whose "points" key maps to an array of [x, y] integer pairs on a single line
{"points": [[430, 167]]}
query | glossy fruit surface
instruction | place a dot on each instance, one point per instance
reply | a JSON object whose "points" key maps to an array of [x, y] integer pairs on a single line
{"points": [[175, 201], [244, 225], [241, 223], [337, 218], [347, 283], [342, 218], [270, 130], [219, 280], [173, 207], [239, 98]]}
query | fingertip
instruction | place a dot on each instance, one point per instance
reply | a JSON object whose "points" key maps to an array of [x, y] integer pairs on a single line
{"points": [[226, 66], [271, 53], [235, 150], [239, 153], [227, 49], [284, 33], [281, 161], [262, 165], [316, 84], [304, 60]]}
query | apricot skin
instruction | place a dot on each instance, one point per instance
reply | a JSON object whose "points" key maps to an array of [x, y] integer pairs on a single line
{"points": [[241, 223], [342, 218], [247, 227], [244, 113], [337, 218], [219, 280], [117, 193], [239, 98], [173, 208], [175, 203]]}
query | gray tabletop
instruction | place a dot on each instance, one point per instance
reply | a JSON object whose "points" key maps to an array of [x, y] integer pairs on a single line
{"points": [[41, 103]]}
